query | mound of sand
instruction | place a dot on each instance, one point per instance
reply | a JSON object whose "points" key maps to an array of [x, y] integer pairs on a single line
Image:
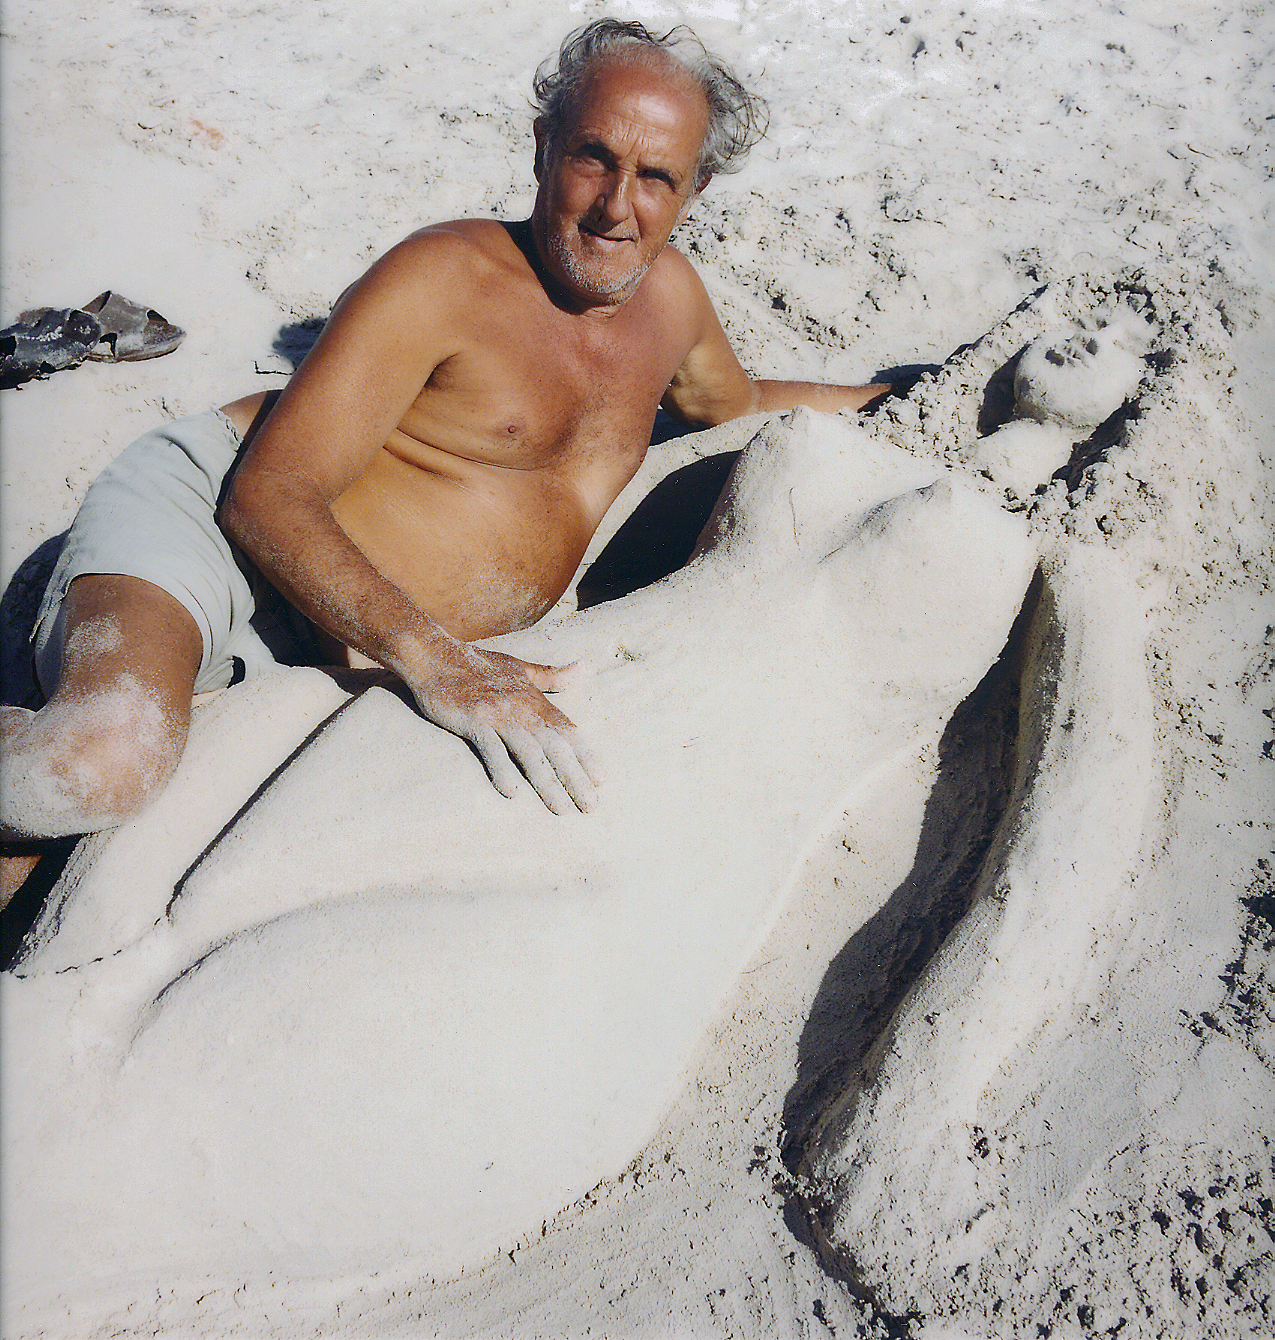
{"points": [[534, 984]]}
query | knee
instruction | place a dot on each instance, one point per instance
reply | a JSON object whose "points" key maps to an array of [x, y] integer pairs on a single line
{"points": [[123, 763], [82, 766]]}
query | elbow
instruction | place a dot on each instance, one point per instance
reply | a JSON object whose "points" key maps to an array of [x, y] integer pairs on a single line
{"points": [[748, 400], [230, 517], [237, 511], [705, 412], [689, 418]]}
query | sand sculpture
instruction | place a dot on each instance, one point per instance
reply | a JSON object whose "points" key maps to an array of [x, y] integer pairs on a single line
{"points": [[1081, 1070], [316, 1037], [448, 1018]]}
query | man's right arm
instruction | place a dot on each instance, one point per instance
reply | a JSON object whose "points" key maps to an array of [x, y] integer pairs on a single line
{"points": [[386, 336]]}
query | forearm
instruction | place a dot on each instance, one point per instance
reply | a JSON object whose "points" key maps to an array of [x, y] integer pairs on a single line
{"points": [[773, 396], [287, 529], [495, 701]]}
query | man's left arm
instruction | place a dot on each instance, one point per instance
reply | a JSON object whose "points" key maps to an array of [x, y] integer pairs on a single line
{"points": [[774, 396], [712, 387]]}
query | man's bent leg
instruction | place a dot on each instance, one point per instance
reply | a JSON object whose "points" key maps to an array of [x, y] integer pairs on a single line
{"points": [[113, 732]]}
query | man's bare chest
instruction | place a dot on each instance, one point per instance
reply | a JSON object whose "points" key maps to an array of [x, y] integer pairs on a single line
{"points": [[535, 397]]}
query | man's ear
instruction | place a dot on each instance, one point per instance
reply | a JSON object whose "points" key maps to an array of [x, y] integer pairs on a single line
{"points": [[685, 212], [540, 129]]}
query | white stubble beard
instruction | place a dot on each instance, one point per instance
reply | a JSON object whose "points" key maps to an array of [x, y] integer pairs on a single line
{"points": [[616, 292]]}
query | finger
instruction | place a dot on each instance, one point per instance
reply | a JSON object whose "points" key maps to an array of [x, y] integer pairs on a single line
{"points": [[589, 761], [550, 678], [527, 752], [571, 772], [501, 769]]}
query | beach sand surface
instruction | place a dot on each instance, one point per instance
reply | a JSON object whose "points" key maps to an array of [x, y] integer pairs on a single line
{"points": [[913, 978]]}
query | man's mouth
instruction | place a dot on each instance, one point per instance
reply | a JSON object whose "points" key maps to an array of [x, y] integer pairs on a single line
{"points": [[606, 238]]}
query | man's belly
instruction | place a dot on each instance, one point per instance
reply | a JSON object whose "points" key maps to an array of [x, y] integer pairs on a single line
{"points": [[483, 550]]}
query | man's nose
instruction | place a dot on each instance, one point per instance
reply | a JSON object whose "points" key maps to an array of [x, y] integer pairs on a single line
{"points": [[617, 197]]}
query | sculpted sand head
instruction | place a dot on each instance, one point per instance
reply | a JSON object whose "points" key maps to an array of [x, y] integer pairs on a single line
{"points": [[1065, 385], [1078, 379]]}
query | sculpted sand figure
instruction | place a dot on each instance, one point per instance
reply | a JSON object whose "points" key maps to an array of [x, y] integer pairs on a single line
{"points": [[431, 474], [1038, 1084], [531, 1001], [361, 1029]]}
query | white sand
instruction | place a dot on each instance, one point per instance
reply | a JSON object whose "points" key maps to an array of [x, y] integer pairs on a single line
{"points": [[1063, 1126]]}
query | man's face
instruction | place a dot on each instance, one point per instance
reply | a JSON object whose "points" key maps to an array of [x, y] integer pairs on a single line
{"points": [[618, 179]]}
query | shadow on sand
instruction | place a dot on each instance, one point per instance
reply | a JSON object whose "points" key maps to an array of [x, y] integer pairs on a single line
{"points": [[867, 980], [297, 338]]}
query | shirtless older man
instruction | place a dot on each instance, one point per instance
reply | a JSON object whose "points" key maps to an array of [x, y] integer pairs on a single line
{"points": [[435, 469]]}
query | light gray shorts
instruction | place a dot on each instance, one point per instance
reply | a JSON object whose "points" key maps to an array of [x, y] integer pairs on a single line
{"points": [[152, 513]]}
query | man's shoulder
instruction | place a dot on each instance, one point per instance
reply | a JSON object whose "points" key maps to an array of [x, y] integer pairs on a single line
{"points": [[674, 263], [441, 268], [673, 271], [674, 285], [460, 244]]}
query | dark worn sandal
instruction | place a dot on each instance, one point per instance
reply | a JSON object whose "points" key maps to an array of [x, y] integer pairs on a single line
{"points": [[46, 340], [130, 332]]}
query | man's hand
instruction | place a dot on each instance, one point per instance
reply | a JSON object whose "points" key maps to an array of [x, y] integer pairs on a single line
{"points": [[497, 703]]}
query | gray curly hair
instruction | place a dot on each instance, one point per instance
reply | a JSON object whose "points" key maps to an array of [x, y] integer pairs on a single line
{"points": [[737, 119]]}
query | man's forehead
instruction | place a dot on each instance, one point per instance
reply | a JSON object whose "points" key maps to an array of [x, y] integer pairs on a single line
{"points": [[654, 84]]}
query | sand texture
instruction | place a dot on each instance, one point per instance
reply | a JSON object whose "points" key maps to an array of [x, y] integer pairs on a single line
{"points": [[912, 978]]}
